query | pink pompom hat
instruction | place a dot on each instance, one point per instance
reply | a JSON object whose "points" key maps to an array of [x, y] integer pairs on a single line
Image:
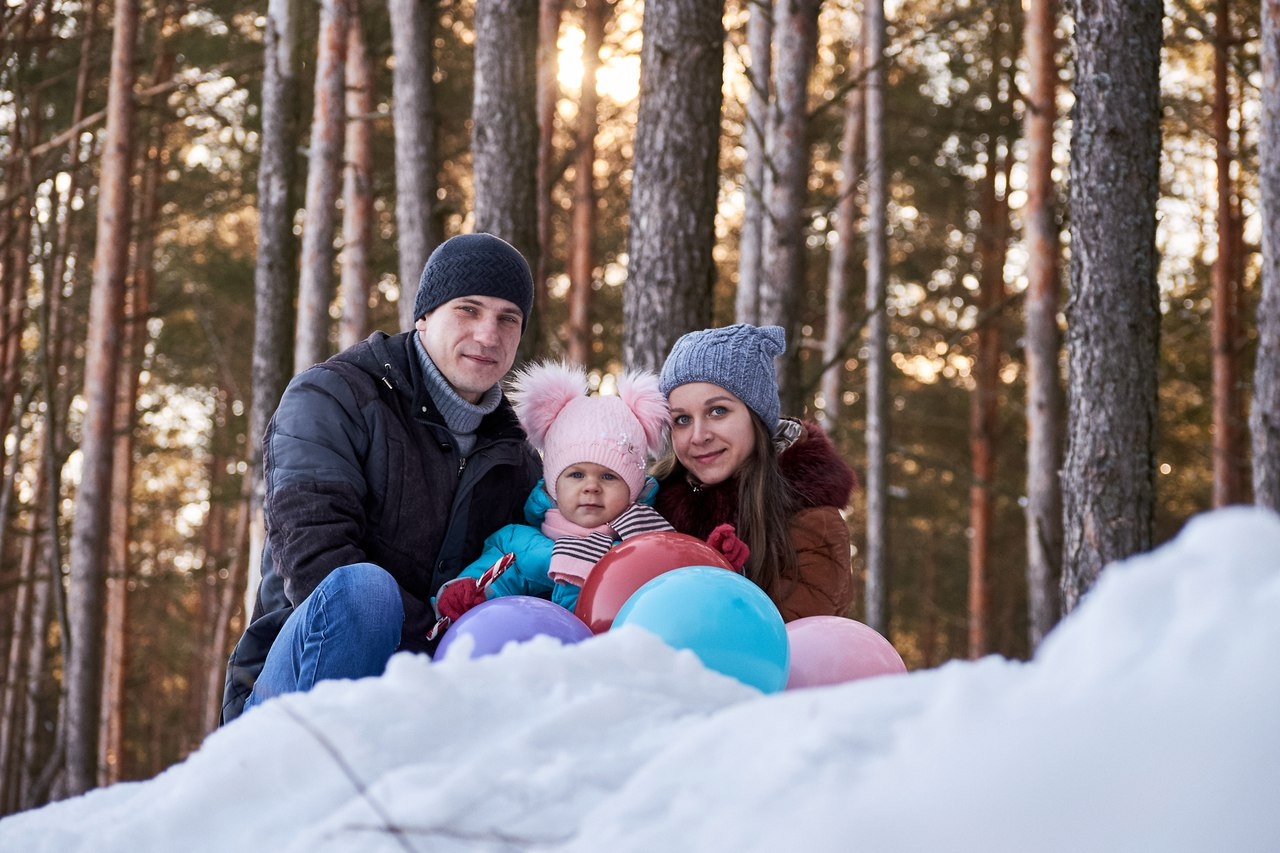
{"points": [[619, 432]]}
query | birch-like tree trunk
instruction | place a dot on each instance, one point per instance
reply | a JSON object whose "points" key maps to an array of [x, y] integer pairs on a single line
{"points": [[582, 234], [673, 191], [754, 173], [273, 276], [504, 132], [1113, 312], [316, 282], [102, 365], [1264, 417], [414, 112], [1228, 434], [877, 396], [783, 283], [1043, 341], [357, 191], [840, 269]]}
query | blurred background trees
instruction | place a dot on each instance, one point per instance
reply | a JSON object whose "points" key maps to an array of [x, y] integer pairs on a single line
{"points": [[898, 184]]}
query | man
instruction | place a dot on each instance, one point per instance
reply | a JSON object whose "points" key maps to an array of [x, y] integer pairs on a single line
{"points": [[386, 467]]}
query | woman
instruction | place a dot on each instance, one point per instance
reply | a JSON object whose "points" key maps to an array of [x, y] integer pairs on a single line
{"points": [[733, 460]]}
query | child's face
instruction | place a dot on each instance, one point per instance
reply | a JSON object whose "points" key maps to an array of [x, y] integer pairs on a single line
{"points": [[590, 495]]}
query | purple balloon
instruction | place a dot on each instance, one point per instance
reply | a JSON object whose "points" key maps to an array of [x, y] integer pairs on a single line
{"points": [[513, 619]]}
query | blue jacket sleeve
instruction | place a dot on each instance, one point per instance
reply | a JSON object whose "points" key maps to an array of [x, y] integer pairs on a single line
{"points": [[528, 575]]}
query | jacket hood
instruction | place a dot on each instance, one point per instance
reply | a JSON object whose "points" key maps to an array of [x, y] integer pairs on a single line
{"points": [[816, 473], [384, 357]]}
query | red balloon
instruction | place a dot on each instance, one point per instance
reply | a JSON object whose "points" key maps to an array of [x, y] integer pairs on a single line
{"points": [[833, 650], [633, 563]]}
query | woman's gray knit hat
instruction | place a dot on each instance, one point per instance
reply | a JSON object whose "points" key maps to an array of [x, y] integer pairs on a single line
{"points": [[738, 358], [475, 265]]}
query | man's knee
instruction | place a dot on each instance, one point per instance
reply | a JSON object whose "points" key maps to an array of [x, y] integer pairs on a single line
{"points": [[367, 595]]}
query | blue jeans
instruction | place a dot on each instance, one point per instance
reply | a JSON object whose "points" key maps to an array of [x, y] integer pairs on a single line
{"points": [[349, 627]]}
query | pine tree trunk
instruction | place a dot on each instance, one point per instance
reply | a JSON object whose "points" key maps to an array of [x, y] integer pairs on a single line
{"points": [[273, 278], [226, 612], [102, 365], [1113, 314], [582, 234], [673, 192], [877, 396], [357, 191], [548, 104], [28, 718], [993, 244], [1265, 414], [316, 282], [412, 39], [782, 287], [1228, 437], [751, 237], [504, 134], [840, 269], [1043, 340]]}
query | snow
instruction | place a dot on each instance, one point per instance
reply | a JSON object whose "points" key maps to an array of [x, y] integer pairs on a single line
{"points": [[1149, 720]]}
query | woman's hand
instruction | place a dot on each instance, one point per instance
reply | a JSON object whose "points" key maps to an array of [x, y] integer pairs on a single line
{"points": [[725, 540]]}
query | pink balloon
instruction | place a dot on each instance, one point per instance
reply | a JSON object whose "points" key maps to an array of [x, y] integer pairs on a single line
{"points": [[833, 650]]}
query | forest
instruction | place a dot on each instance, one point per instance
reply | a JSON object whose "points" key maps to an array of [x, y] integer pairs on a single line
{"points": [[1027, 255]]}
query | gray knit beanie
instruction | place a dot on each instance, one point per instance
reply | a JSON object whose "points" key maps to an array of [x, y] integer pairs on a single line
{"points": [[475, 265], [738, 358]]}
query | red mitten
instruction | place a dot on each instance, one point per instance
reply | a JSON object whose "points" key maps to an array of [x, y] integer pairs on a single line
{"points": [[725, 540], [458, 596]]}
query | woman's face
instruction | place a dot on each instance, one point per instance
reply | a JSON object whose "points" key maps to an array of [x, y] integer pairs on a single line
{"points": [[711, 431]]}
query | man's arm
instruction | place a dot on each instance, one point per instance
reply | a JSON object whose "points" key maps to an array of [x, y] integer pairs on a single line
{"points": [[315, 481]]}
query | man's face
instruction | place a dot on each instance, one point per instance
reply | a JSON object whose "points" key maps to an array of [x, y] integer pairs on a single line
{"points": [[473, 341]]}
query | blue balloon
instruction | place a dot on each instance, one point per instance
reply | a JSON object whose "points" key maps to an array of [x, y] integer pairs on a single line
{"points": [[513, 619], [723, 618]]}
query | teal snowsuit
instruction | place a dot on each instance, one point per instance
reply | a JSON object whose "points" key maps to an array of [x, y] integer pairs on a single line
{"points": [[530, 574]]}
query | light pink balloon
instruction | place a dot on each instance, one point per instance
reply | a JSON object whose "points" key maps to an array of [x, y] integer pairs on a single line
{"points": [[833, 650]]}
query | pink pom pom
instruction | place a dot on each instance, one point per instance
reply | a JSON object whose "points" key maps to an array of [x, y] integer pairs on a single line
{"points": [[540, 392], [639, 390]]}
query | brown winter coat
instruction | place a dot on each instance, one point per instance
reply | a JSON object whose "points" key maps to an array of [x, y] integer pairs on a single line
{"points": [[821, 482]]}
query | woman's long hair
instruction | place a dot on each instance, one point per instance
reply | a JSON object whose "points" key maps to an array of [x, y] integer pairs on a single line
{"points": [[765, 504]]}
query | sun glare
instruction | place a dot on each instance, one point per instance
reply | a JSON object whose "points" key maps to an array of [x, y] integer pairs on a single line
{"points": [[617, 77]]}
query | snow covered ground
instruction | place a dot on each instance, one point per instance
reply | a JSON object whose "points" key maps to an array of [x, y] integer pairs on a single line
{"points": [[1149, 721]]}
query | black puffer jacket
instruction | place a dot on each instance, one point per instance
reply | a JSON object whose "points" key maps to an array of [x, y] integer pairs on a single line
{"points": [[360, 467]]}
